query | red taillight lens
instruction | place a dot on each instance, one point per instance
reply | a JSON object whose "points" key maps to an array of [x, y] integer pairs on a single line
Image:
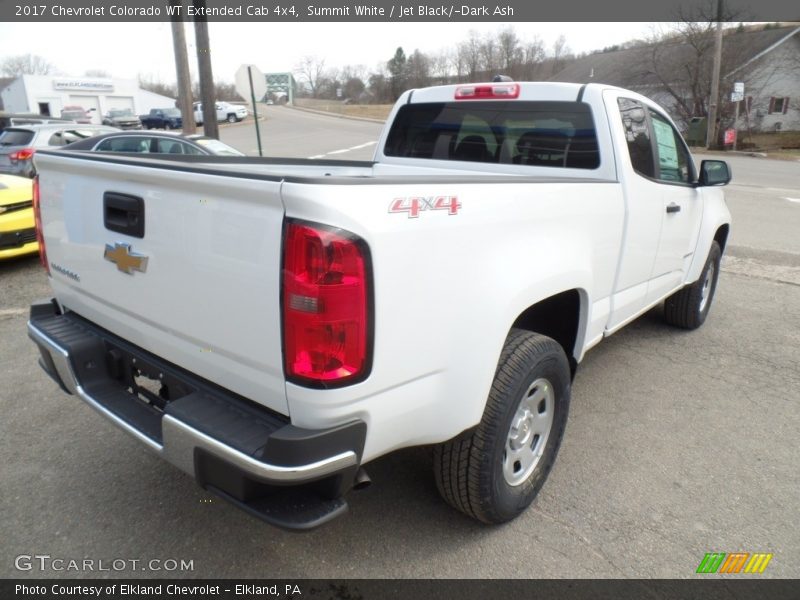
{"points": [[326, 306], [488, 91], [24, 154], [37, 220]]}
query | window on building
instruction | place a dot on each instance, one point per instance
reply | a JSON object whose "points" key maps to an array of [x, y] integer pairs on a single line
{"points": [[778, 105], [640, 148]]}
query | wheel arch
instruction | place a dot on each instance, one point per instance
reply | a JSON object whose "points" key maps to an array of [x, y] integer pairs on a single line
{"points": [[561, 316]]}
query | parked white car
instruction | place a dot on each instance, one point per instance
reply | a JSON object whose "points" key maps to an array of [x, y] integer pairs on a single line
{"points": [[271, 327], [232, 113]]}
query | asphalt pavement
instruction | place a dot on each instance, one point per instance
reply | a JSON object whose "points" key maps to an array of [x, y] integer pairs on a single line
{"points": [[679, 443]]}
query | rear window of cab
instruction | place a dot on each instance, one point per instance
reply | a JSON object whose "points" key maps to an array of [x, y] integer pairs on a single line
{"points": [[550, 134]]}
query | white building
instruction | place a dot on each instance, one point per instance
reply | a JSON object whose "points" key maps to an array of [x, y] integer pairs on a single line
{"points": [[48, 95]]}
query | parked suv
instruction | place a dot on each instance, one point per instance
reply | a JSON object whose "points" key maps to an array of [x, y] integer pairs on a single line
{"points": [[18, 144]]}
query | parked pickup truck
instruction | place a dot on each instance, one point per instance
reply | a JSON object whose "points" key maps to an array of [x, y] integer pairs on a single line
{"points": [[271, 326], [162, 118], [232, 113]]}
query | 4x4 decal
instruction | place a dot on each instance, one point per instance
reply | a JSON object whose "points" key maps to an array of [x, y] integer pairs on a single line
{"points": [[414, 205]]}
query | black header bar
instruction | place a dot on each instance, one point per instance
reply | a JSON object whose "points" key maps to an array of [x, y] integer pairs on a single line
{"points": [[501, 11]]}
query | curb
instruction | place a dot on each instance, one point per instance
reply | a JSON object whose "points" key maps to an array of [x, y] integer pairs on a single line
{"points": [[336, 116]]}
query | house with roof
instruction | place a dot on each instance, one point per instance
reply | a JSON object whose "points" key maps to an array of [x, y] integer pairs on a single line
{"points": [[676, 73]]}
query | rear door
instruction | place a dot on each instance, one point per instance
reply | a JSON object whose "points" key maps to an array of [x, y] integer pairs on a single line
{"points": [[198, 286]]}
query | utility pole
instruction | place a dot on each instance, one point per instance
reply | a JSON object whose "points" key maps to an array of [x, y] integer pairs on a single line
{"points": [[713, 101], [210, 125], [182, 69]]}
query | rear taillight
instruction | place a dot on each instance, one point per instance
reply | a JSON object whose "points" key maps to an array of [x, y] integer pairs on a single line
{"points": [[37, 220], [23, 154], [326, 306], [488, 91]]}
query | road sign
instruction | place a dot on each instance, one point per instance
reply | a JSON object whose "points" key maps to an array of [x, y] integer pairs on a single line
{"points": [[738, 87], [242, 79], [737, 96]]}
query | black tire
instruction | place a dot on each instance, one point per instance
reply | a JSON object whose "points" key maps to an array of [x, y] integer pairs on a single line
{"points": [[232, 118], [469, 469], [688, 308], [167, 126]]}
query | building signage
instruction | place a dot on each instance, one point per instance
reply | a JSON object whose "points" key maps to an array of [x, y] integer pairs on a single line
{"points": [[83, 85]]}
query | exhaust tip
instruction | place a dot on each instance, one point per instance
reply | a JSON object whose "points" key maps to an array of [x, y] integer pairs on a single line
{"points": [[362, 480]]}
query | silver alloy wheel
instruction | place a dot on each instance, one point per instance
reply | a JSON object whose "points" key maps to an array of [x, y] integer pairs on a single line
{"points": [[530, 428], [705, 293]]}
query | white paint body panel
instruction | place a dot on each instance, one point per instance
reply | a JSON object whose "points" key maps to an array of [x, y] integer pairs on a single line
{"points": [[447, 288]]}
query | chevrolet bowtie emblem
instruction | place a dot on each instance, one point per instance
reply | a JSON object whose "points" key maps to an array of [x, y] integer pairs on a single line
{"points": [[126, 261]]}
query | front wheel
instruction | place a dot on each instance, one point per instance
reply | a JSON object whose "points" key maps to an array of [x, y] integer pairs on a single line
{"points": [[167, 126], [232, 118], [493, 472], [688, 308]]}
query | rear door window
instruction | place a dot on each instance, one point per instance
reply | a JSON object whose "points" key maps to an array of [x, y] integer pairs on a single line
{"points": [[16, 137], [125, 144], [551, 134]]}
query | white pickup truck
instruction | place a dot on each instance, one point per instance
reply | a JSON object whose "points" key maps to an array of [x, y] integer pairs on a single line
{"points": [[270, 326], [232, 113]]}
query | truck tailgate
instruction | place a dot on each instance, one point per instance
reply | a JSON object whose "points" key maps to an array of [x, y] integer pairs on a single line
{"points": [[208, 296]]}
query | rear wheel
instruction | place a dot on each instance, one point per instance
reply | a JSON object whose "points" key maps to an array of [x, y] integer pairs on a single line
{"points": [[688, 308], [493, 472], [167, 126]]}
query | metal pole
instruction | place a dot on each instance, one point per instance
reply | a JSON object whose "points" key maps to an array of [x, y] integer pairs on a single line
{"points": [[182, 70], [255, 110], [210, 125], [713, 101], [736, 126]]}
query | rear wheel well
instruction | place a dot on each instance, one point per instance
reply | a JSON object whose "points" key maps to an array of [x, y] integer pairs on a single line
{"points": [[722, 236], [557, 317]]}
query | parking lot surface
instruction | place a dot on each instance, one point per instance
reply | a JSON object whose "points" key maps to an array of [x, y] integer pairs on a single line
{"points": [[679, 443]]}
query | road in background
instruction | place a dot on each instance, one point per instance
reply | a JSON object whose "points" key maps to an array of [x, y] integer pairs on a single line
{"points": [[295, 133], [679, 443]]}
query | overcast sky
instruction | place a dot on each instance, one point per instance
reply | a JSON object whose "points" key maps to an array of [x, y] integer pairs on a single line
{"points": [[125, 50]]}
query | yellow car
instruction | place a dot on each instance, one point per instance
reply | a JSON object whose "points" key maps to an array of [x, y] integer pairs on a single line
{"points": [[17, 231]]}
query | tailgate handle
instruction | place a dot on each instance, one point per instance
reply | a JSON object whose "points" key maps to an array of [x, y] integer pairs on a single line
{"points": [[124, 214]]}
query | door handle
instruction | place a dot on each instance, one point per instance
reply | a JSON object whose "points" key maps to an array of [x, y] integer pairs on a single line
{"points": [[124, 214], [673, 208]]}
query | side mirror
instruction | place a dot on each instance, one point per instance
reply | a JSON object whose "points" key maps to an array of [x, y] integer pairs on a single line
{"points": [[714, 172]]}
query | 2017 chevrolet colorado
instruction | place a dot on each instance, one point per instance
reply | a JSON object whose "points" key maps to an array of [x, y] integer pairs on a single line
{"points": [[271, 326]]}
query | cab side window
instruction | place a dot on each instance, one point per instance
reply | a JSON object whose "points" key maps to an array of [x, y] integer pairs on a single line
{"points": [[674, 163], [637, 134]]}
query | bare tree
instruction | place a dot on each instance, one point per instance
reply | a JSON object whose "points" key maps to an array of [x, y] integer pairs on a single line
{"points": [[312, 70], [560, 52], [677, 62], [469, 56], [441, 64], [510, 51], [26, 64], [418, 70], [489, 55], [147, 82]]}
